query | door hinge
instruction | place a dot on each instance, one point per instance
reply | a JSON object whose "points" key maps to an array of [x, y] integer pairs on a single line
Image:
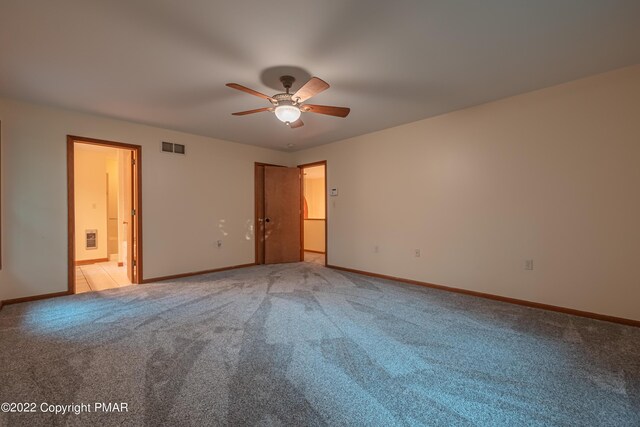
{"points": [[135, 264], [133, 212], [133, 162]]}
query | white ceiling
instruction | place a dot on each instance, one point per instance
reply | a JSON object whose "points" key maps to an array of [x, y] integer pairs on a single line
{"points": [[165, 63]]}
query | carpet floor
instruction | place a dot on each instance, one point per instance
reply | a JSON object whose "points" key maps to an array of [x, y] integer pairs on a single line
{"points": [[300, 344]]}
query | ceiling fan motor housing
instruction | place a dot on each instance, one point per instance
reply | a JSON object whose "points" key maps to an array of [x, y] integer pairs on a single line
{"points": [[287, 82], [284, 99]]}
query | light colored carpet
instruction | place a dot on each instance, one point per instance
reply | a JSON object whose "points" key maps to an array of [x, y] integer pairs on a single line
{"points": [[300, 344]]}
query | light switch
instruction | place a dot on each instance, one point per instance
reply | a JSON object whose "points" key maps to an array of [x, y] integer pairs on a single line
{"points": [[333, 192]]}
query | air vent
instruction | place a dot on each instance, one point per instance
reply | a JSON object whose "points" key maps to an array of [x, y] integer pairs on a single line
{"points": [[169, 147], [91, 239]]}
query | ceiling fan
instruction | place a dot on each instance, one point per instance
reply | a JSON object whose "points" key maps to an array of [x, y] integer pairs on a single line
{"points": [[288, 107]]}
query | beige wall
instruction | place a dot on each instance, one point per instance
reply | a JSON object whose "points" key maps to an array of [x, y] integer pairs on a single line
{"points": [[314, 235], [189, 202], [552, 175], [91, 201], [314, 193], [113, 172]]}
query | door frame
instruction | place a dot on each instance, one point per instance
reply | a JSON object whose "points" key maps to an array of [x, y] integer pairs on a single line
{"points": [[326, 209], [71, 214]]}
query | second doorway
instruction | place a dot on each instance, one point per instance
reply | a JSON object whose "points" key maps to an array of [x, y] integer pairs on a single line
{"points": [[104, 208], [314, 212]]}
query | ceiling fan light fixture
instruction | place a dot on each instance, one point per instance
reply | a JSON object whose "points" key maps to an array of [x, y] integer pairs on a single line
{"points": [[287, 113], [288, 107]]}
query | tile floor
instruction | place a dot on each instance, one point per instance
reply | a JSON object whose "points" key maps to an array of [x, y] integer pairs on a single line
{"points": [[100, 276]]}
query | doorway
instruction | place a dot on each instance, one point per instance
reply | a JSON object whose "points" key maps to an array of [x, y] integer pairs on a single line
{"points": [[104, 214], [290, 213], [314, 212]]}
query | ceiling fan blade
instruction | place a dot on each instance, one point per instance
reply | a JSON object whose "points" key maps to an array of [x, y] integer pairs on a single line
{"points": [[311, 88], [298, 123], [326, 109], [258, 110], [250, 91]]}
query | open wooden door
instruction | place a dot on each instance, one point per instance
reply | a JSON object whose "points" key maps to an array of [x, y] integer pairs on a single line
{"points": [[128, 219], [259, 200], [130, 224], [282, 225], [134, 220]]}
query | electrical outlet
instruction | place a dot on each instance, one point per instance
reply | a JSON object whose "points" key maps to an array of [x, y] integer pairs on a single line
{"points": [[528, 264], [417, 253]]}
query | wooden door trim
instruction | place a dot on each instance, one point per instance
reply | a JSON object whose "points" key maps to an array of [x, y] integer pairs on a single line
{"points": [[71, 217], [526, 303], [0, 201], [326, 209], [197, 273]]}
